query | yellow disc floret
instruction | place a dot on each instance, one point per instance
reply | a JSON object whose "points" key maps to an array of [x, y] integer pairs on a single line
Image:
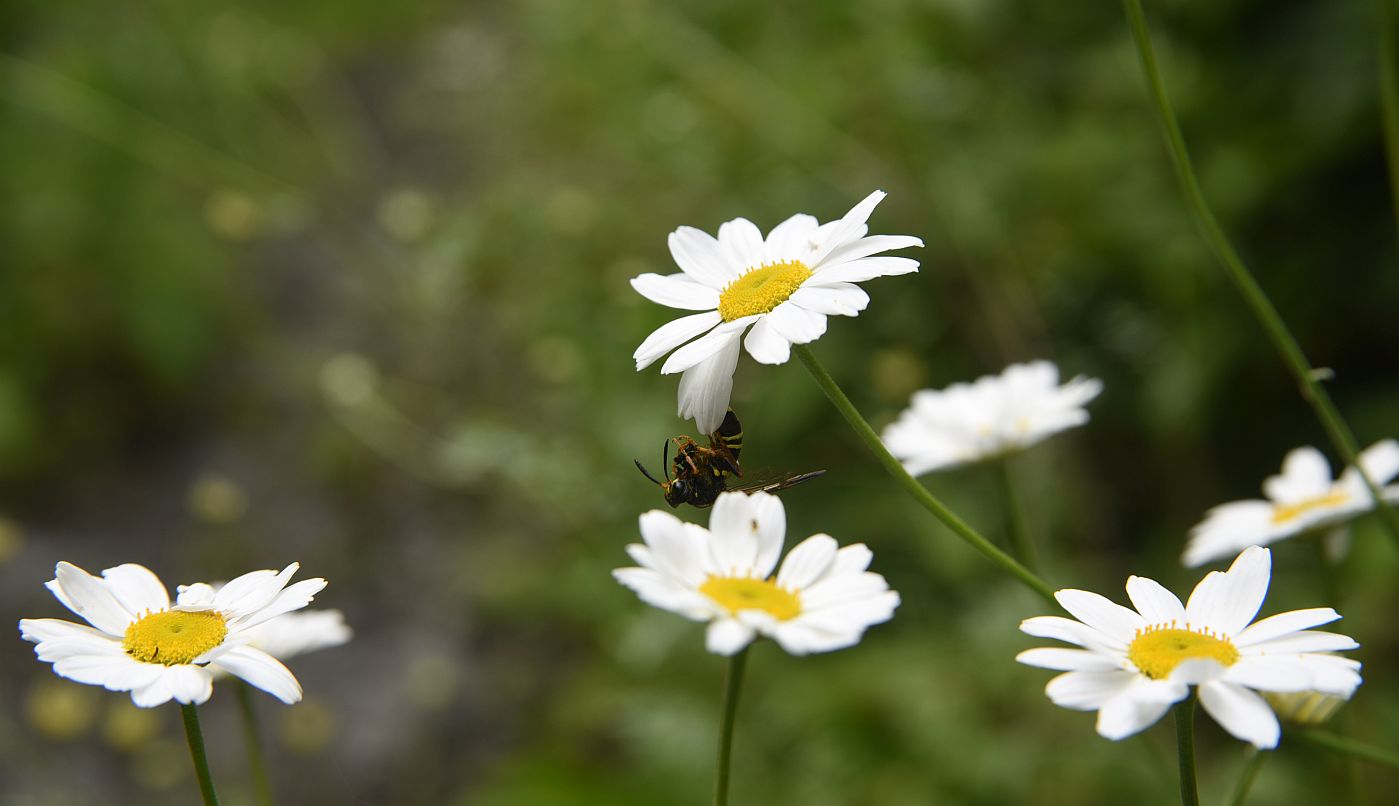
{"points": [[173, 637], [1282, 513], [762, 289], [736, 594], [1157, 650]]}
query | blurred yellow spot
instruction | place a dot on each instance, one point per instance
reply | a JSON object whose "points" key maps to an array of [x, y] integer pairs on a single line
{"points": [[572, 210], [349, 379], [61, 710], [762, 289], [307, 728], [233, 214], [161, 764], [432, 682], [897, 374], [736, 594], [128, 727], [11, 539], [1282, 513], [217, 499], [1304, 707], [406, 214], [174, 637]]}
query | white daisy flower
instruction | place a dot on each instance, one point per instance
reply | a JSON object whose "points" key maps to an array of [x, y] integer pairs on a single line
{"points": [[782, 287], [820, 600], [298, 633], [1303, 498], [1134, 664], [142, 643], [992, 416]]}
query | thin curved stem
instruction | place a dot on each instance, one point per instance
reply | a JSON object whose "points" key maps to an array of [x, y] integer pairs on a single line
{"points": [[196, 751], [252, 737], [1020, 543], [1348, 747], [1185, 749], [1247, 777], [920, 493], [1308, 379], [732, 683]]}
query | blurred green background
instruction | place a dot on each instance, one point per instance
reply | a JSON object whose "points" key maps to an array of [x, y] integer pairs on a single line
{"points": [[346, 283]]}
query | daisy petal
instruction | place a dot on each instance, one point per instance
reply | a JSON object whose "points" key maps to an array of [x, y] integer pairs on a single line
{"points": [[727, 636], [137, 589], [705, 388], [1088, 691], [91, 598], [1156, 604], [796, 324], [1242, 713], [1283, 623], [840, 299], [871, 245], [766, 345], [673, 334], [262, 670], [742, 243], [676, 291], [700, 256], [1066, 660], [866, 268], [1240, 596], [1125, 715], [1102, 614], [791, 240], [705, 346], [808, 561], [850, 227]]}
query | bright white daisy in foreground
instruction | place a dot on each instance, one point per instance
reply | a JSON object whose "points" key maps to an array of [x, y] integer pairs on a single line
{"points": [[992, 416], [1134, 664], [780, 289], [286, 636], [820, 600], [142, 643], [1303, 498]]}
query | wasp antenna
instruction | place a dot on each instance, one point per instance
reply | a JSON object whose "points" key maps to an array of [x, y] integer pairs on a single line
{"points": [[647, 474], [665, 459]]}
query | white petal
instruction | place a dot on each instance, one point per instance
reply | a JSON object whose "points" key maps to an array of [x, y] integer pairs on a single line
{"points": [[1239, 595], [40, 630], [261, 670], [1265, 673], [867, 268], [742, 243], [700, 256], [89, 597], [252, 591], [298, 633], [705, 388], [292, 597], [1066, 660], [1103, 615], [706, 346], [1156, 604], [796, 324], [872, 245], [675, 552], [772, 530], [734, 528], [1284, 623], [1073, 632], [1305, 474], [1304, 641], [791, 240], [1381, 461], [671, 335], [137, 589], [200, 594], [807, 562], [850, 227], [766, 345], [1127, 714], [1242, 713], [676, 291], [1230, 528], [727, 636], [1088, 691], [664, 592], [852, 559], [841, 299], [189, 684]]}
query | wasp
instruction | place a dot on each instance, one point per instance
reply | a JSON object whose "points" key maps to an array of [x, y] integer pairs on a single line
{"points": [[700, 473]]}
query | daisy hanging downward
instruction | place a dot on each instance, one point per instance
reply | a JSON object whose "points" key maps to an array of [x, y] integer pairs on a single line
{"points": [[142, 643], [1134, 664], [821, 599], [1302, 499], [779, 289]]}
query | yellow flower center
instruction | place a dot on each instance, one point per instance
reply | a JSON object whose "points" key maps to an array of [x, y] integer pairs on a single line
{"points": [[737, 594], [762, 289], [1157, 650], [173, 637], [1282, 513]]}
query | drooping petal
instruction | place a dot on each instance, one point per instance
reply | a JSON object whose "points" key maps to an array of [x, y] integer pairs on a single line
{"points": [[673, 334], [766, 345], [262, 670], [1242, 713], [727, 636], [705, 388], [796, 324], [706, 346]]}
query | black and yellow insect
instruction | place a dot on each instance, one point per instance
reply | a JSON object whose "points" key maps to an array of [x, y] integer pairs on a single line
{"points": [[701, 473]]}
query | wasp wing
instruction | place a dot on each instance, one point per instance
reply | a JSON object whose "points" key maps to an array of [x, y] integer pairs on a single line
{"points": [[772, 485]]}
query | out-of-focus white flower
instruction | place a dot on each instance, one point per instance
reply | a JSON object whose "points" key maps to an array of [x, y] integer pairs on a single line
{"points": [[1303, 498], [142, 643], [821, 599], [992, 416], [779, 289], [1134, 664]]}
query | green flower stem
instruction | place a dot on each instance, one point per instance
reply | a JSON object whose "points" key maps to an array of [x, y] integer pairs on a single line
{"points": [[1248, 776], [196, 751], [1308, 380], [1020, 544], [732, 683], [909, 483], [253, 739], [1185, 749], [1347, 747], [1389, 98]]}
